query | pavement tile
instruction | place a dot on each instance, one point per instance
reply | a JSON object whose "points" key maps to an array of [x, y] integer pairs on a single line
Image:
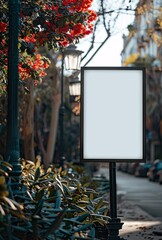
{"points": [[138, 224]]}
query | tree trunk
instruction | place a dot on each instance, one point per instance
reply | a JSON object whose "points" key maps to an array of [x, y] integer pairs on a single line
{"points": [[53, 80], [29, 122], [53, 130]]}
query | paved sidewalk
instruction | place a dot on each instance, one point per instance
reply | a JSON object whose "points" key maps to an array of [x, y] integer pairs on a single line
{"points": [[138, 225]]}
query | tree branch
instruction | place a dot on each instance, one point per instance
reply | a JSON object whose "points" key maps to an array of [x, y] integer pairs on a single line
{"points": [[97, 49]]}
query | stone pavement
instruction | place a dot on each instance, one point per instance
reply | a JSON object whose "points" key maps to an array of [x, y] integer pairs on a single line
{"points": [[138, 225]]}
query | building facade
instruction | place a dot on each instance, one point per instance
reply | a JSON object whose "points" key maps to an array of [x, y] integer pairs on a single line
{"points": [[143, 47]]}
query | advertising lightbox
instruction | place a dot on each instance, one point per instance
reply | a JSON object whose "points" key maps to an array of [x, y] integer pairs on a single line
{"points": [[113, 114]]}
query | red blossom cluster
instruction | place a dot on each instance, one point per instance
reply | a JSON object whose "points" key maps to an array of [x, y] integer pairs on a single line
{"points": [[3, 26], [74, 20], [51, 23], [36, 64], [78, 5], [30, 38]]}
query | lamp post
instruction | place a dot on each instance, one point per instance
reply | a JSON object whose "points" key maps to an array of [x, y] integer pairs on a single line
{"points": [[74, 88], [74, 92], [12, 145], [71, 59]]}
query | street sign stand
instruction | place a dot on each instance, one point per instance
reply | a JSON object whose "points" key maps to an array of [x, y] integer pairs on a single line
{"points": [[113, 123], [12, 143], [115, 223]]}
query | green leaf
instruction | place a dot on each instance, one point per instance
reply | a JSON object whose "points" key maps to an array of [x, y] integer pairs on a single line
{"points": [[21, 229], [78, 207], [83, 227], [59, 184], [39, 195], [7, 165], [2, 180], [24, 54], [91, 196], [37, 174], [98, 205], [100, 221], [29, 195], [90, 191], [90, 208], [91, 203], [82, 202], [66, 189], [101, 216], [58, 199], [44, 175], [3, 172], [103, 209], [86, 184], [39, 207], [10, 203], [18, 215], [84, 238], [105, 212], [68, 233], [83, 217], [55, 225], [73, 221]]}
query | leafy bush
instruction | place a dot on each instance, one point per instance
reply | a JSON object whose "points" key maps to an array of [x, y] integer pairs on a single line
{"points": [[56, 205]]}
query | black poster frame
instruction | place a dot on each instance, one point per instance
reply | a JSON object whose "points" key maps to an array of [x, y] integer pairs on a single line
{"points": [[82, 114]]}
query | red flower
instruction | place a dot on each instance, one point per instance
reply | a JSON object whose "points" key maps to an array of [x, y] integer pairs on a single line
{"points": [[3, 26], [63, 43], [30, 38], [92, 16], [52, 24], [48, 23]]}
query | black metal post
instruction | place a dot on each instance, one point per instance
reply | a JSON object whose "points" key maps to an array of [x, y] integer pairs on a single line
{"points": [[115, 223], [62, 113], [12, 145], [113, 198]]}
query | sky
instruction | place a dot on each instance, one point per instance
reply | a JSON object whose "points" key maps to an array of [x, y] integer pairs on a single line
{"points": [[110, 53]]}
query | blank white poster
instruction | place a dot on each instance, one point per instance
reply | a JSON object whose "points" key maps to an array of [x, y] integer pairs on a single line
{"points": [[112, 114]]}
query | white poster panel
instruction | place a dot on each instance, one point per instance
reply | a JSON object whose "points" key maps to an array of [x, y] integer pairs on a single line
{"points": [[112, 114]]}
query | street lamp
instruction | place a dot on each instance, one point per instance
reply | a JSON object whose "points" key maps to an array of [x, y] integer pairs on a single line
{"points": [[74, 87], [71, 59]]}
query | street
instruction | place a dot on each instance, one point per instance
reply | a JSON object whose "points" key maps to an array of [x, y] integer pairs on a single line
{"points": [[140, 191], [143, 193]]}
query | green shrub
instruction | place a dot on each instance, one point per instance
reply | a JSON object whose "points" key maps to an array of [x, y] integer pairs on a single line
{"points": [[56, 205]]}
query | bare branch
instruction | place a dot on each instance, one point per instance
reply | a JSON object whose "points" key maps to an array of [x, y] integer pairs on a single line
{"points": [[97, 49], [100, 13], [108, 19], [103, 16], [93, 40]]}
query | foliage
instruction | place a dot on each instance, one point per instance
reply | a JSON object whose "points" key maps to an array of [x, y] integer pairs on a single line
{"points": [[136, 60], [153, 13], [131, 59], [56, 205], [8, 207], [43, 23]]}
